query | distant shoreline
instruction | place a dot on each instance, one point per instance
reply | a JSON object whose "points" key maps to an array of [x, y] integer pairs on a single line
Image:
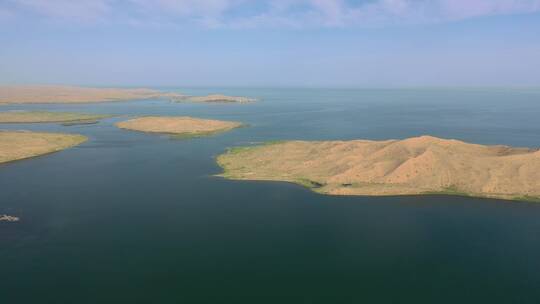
{"points": [[49, 94], [65, 118], [42, 94]]}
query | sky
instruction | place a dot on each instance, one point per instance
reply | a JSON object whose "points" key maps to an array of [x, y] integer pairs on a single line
{"points": [[270, 43]]}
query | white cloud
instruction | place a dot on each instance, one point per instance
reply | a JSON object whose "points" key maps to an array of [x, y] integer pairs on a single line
{"points": [[185, 8], [459, 9], [273, 13], [84, 10]]}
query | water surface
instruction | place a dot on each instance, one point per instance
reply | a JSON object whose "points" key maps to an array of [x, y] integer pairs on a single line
{"points": [[130, 217]]}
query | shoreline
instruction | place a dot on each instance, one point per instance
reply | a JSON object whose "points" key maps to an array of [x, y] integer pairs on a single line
{"points": [[442, 193], [59, 94]]}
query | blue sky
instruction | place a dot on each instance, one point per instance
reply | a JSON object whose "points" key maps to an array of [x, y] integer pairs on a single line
{"points": [[320, 43]]}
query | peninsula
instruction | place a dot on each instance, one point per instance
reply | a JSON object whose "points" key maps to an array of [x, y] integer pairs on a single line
{"points": [[182, 126], [419, 165], [66, 118], [71, 94], [15, 145], [215, 98]]}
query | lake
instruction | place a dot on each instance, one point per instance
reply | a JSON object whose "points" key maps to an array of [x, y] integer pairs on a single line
{"points": [[130, 217]]}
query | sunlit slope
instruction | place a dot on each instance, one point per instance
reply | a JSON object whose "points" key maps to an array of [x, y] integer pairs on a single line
{"points": [[416, 165]]}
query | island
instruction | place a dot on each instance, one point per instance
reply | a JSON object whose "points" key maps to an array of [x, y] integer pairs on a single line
{"points": [[179, 126], [66, 118], [16, 145], [29, 94], [8, 218], [215, 98], [418, 165]]}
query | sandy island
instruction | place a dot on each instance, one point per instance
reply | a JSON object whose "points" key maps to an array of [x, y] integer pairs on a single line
{"points": [[182, 126], [49, 117], [72, 94], [15, 145], [217, 98], [419, 165]]}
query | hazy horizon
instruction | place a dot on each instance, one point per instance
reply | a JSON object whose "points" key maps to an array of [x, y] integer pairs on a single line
{"points": [[294, 43]]}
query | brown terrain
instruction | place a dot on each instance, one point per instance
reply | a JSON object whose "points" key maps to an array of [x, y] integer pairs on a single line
{"points": [[15, 145], [178, 125], [216, 98], [71, 94], [419, 165]]}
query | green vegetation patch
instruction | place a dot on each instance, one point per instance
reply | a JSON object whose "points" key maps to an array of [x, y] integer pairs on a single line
{"points": [[527, 198], [189, 135], [273, 142], [237, 150], [80, 122], [309, 183], [67, 118]]}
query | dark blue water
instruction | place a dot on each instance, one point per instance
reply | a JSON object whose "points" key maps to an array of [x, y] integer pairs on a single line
{"points": [[130, 217]]}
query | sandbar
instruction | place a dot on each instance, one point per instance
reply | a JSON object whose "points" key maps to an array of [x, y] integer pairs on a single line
{"points": [[182, 126], [216, 98], [418, 165], [16, 145]]}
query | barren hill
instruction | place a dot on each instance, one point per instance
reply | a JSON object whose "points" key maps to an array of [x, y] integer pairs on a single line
{"points": [[416, 165]]}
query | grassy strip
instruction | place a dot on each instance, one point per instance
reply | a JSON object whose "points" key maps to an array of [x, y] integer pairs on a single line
{"points": [[309, 183], [48, 117], [452, 190], [240, 149], [527, 198], [80, 122], [189, 135]]}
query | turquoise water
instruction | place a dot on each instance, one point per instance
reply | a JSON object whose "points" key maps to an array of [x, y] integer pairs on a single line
{"points": [[130, 217]]}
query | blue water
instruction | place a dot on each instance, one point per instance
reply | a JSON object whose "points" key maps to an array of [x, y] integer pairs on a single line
{"points": [[130, 217]]}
